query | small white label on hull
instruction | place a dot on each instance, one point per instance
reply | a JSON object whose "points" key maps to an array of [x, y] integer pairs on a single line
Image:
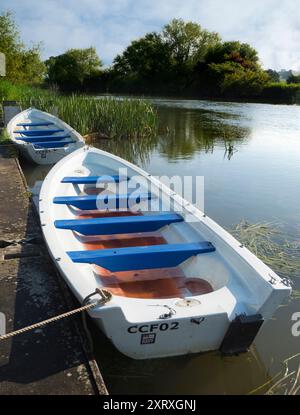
{"points": [[148, 338]]}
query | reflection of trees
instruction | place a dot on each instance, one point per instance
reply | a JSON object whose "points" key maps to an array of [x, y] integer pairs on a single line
{"points": [[189, 131], [181, 133], [135, 150]]}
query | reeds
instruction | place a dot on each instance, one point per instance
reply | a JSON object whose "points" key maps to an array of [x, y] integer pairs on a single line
{"points": [[115, 118], [281, 252], [267, 241], [285, 382]]}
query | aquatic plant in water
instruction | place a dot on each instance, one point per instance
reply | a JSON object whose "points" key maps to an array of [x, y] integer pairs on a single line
{"points": [[282, 253]]}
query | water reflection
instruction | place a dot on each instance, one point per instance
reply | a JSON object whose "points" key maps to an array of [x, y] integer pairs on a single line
{"points": [[181, 134], [207, 373]]}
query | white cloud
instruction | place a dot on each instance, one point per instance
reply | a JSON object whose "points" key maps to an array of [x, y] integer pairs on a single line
{"points": [[271, 26]]}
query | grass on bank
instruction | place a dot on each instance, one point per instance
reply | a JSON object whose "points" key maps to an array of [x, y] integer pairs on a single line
{"points": [[7, 149], [111, 117]]}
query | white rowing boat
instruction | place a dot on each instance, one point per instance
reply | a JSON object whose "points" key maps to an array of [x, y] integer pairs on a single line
{"points": [[43, 138], [177, 286]]}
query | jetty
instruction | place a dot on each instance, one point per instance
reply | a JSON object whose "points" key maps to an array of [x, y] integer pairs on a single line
{"points": [[56, 359]]}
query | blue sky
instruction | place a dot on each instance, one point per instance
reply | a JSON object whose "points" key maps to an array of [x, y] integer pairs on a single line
{"points": [[271, 26]]}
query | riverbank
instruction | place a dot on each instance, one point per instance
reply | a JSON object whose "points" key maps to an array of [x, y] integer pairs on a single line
{"points": [[132, 118], [277, 93], [56, 359]]}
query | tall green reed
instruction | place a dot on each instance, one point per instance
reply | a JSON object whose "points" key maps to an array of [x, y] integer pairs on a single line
{"points": [[128, 118]]}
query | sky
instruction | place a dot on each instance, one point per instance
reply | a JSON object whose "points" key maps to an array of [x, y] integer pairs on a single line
{"points": [[271, 26]]}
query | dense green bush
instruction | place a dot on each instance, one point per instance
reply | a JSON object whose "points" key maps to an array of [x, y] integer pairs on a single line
{"points": [[281, 92], [11, 91]]}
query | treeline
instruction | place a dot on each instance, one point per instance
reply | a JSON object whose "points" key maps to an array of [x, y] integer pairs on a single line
{"points": [[22, 64], [182, 60]]}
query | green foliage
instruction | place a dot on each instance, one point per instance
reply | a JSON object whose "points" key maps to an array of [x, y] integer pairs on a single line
{"points": [[273, 75], [240, 53], [293, 79], [188, 42], [162, 61], [4, 138], [146, 61], [14, 91], [22, 65], [114, 118], [182, 59], [244, 84], [281, 92], [186, 59], [71, 69], [231, 70]]}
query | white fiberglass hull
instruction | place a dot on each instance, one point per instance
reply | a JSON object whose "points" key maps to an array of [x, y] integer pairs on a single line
{"points": [[38, 152], [159, 321]]}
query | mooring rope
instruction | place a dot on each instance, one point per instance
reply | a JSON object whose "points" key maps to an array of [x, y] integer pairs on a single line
{"points": [[105, 297]]}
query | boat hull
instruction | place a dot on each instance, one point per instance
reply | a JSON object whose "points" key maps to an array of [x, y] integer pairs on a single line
{"points": [[45, 156], [156, 314], [163, 338], [32, 141]]}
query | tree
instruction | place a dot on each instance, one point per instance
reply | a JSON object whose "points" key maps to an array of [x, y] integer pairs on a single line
{"points": [[164, 61], [273, 75], [22, 64], [188, 42], [231, 69], [240, 53], [293, 79], [71, 69], [244, 84], [146, 60]]}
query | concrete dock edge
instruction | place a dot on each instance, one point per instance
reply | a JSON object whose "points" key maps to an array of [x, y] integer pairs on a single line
{"points": [[57, 359]]}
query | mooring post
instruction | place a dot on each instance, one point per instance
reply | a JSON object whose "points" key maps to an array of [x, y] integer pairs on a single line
{"points": [[10, 109]]}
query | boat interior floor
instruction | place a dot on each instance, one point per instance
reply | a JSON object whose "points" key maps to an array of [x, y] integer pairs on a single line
{"points": [[144, 284]]}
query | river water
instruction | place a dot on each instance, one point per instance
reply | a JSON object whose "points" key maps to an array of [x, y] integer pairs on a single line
{"points": [[249, 155]]}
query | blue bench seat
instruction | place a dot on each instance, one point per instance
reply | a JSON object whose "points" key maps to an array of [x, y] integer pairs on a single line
{"points": [[92, 202], [53, 144], [30, 133], [141, 257], [94, 179], [35, 124], [119, 225], [43, 138]]}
